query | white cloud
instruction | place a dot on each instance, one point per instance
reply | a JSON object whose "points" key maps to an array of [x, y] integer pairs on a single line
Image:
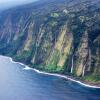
{"points": [[10, 3]]}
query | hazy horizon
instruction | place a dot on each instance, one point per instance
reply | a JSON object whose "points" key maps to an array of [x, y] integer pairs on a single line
{"points": [[11, 3]]}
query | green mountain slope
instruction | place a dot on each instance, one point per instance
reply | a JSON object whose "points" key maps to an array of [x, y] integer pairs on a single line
{"points": [[60, 36]]}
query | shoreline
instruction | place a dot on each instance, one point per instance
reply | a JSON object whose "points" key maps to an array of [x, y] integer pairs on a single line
{"points": [[54, 74]]}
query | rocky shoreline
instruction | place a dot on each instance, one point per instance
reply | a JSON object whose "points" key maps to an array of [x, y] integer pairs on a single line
{"points": [[81, 82]]}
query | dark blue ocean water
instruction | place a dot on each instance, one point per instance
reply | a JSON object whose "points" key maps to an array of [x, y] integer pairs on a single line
{"points": [[19, 84]]}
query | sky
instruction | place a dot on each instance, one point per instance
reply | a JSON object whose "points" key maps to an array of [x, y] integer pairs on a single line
{"points": [[4, 4]]}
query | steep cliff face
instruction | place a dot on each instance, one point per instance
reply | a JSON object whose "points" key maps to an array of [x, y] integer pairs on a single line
{"points": [[62, 38], [82, 55]]}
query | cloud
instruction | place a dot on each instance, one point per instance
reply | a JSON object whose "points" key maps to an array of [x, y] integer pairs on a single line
{"points": [[14, 1], [4, 4]]}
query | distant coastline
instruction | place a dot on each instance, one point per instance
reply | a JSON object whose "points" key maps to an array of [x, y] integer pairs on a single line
{"points": [[54, 74]]}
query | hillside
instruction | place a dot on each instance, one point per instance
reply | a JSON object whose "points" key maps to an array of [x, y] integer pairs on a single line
{"points": [[60, 36]]}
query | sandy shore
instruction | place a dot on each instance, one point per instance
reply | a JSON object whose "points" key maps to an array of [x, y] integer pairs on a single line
{"points": [[86, 84]]}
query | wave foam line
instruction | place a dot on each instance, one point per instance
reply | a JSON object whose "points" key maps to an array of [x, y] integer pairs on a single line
{"points": [[27, 68], [65, 77], [57, 75]]}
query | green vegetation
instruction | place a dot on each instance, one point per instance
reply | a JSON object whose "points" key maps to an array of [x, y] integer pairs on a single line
{"points": [[23, 56], [51, 68], [92, 78], [21, 34], [55, 58], [55, 15], [54, 69]]}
